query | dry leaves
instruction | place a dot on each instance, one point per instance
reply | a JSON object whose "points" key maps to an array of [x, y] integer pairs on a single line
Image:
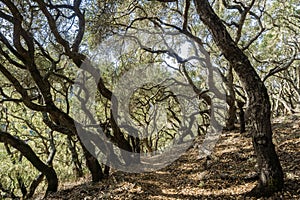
{"points": [[228, 175]]}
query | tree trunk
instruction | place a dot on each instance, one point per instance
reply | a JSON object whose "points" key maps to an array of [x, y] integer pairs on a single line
{"points": [[230, 99], [271, 175], [69, 128], [75, 160], [93, 165], [242, 116]]}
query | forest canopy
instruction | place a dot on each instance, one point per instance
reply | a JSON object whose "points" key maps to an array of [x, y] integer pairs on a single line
{"points": [[91, 86]]}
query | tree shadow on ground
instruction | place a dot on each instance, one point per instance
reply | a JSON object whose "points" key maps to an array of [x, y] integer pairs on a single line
{"points": [[230, 174]]}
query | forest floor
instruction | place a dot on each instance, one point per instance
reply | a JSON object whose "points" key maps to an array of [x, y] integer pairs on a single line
{"points": [[230, 174]]}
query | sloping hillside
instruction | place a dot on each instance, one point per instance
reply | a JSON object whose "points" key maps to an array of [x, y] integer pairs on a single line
{"points": [[229, 174]]}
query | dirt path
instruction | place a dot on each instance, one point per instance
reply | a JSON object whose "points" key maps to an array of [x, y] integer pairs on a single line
{"points": [[228, 175]]}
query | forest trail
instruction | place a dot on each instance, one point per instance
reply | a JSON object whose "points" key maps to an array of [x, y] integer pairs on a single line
{"points": [[228, 175]]}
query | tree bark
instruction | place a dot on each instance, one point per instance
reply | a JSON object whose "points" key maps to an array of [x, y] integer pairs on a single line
{"points": [[69, 129], [230, 99], [271, 175], [26, 150], [77, 168], [242, 116], [93, 165]]}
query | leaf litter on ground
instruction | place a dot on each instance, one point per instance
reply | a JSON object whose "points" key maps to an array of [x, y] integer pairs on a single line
{"points": [[229, 174]]}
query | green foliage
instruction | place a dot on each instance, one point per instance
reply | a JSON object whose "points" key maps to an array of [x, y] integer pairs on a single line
{"points": [[121, 36]]}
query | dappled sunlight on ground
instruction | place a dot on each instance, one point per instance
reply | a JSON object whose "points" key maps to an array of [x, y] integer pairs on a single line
{"points": [[228, 175]]}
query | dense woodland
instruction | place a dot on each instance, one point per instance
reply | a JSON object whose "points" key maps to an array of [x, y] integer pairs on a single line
{"points": [[65, 67]]}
